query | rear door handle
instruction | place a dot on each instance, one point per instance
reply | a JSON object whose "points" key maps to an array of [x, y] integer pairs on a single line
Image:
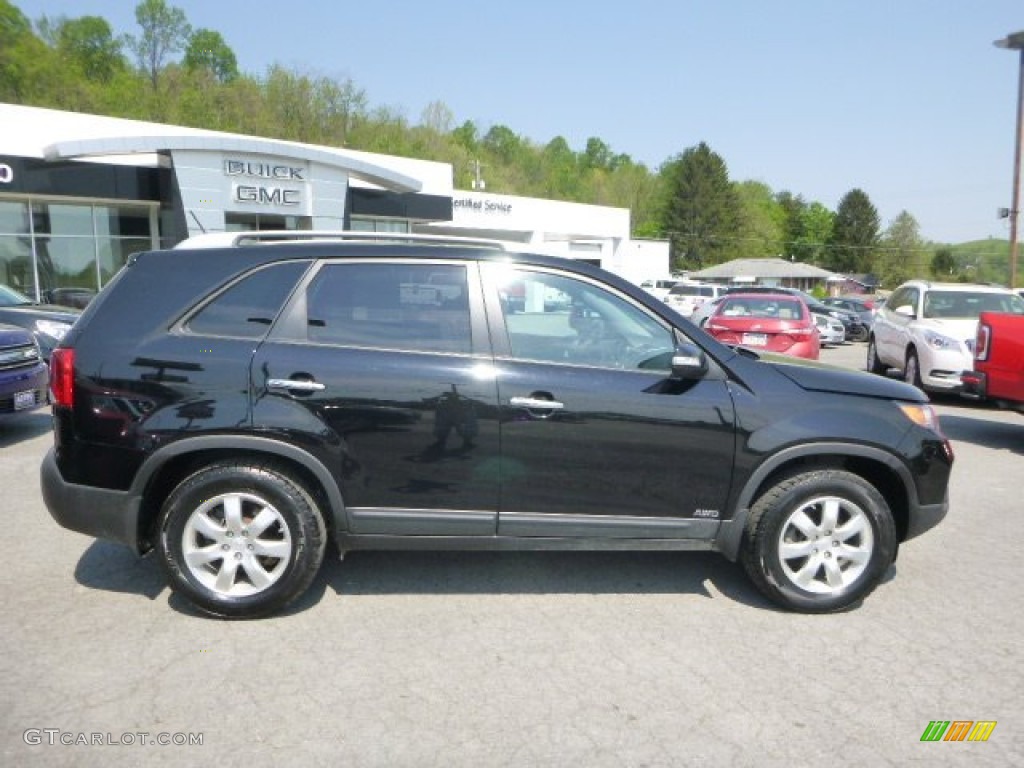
{"points": [[536, 404], [296, 385]]}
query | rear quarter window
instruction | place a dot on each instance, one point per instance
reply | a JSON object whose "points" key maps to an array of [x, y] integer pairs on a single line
{"points": [[247, 308]]}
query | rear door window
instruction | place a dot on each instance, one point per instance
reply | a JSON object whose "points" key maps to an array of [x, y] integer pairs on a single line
{"points": [[413, 307]]}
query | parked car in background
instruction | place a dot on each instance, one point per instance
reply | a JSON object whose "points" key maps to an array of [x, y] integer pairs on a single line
{"points": [[998, 374], [854, 328], [339, 409], [46, 322], [685, 297], [23, 373], [659, 288], [927, 330], [704, 311], [770, 322], [830, 330], [863, 308], [76, 298]]}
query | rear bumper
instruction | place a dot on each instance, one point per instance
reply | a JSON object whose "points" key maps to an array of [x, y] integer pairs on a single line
{"points": [[975, 385], [99, 512]]}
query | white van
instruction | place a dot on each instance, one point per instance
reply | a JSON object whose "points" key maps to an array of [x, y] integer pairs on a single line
{"points": [[685, 297], [660, 287]]}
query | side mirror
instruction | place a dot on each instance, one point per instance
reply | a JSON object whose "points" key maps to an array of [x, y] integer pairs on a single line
{"points": [[689, 362], [906, 310]]}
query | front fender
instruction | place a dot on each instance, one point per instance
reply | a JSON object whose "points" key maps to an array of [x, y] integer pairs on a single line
{"points": [[730, 533]]}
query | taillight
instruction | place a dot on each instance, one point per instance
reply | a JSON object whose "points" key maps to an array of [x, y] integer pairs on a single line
{"points": [[62, 377], [982, 341]]}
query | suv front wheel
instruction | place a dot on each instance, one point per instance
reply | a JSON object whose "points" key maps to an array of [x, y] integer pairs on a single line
{"points": [[240, 540], [819, 541], [874, 365]]}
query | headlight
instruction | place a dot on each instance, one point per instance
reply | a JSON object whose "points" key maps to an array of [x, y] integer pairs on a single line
{"points": [[52, 328], [938, 341], [921, 414]]}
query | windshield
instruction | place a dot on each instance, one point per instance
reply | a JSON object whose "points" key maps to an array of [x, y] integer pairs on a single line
{"points": [[969, 304], [11, 298]]}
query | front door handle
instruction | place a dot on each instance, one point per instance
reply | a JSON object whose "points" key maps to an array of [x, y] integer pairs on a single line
{"points": [[536, 404], [296, 385]]}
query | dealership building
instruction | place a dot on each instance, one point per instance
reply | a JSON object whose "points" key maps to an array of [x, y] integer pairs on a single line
{"points": [[79, 193]]}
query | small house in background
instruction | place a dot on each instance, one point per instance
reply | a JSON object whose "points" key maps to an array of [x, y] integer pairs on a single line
{"points": [[775, 272], [860, 284]]}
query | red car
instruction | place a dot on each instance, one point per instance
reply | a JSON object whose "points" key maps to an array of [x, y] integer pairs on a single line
{"points": [[766, 321]]}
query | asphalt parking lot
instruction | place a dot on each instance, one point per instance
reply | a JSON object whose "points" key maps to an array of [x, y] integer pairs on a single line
{"points": [[524, 659]]}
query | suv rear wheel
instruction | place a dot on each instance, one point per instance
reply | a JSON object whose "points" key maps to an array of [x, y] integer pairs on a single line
{"points": [[240, 540], [819, 541]]}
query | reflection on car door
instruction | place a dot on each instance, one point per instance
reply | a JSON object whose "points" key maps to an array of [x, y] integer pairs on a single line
{"points": [[596, 439], [388, 381]]}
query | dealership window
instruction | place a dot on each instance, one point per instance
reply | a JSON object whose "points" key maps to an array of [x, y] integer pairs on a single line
{"points": [[64, 251], [261, 222], [366, 224]]}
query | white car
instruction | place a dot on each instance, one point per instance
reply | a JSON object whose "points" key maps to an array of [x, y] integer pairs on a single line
{"points": [[704, 311], [685, 297], [659, 288], [830, 329], [927, 330]]}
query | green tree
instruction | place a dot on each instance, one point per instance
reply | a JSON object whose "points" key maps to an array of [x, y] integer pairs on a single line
{"points": [[207, 50], [762, 221], [503, 142], [597, 154], [813, 232], [467, 136], [30, 71], [943, 265], [560, 170], [854, 234], [793, 207], [901, 255], [701, 211], [87, 42], [165, 31]]}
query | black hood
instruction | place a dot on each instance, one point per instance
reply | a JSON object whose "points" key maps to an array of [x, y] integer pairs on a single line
{"points": [[818, 377]]}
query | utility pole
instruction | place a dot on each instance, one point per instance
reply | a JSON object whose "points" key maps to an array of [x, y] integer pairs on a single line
{"points": [[1015, 42], [478, 181]]}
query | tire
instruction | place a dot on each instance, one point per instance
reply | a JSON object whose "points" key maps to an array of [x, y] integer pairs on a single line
{"points": [[912, 369], [874, 365], [819, 541], [258, 515], [861, 334]]}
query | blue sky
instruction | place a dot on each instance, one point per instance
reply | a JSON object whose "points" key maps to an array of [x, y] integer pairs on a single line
{"points": [[905, 99]]}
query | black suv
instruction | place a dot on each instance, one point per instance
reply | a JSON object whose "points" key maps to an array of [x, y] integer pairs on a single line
{"points": [[237, 408]]}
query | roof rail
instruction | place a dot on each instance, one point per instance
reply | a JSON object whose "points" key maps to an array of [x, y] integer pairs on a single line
{"points": [[270, 237]]}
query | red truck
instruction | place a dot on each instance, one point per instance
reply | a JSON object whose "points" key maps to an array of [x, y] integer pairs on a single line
{"points": [[998, 374]]}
